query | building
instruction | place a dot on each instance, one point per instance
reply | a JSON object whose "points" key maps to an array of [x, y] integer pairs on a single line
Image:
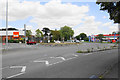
{"points": [[13, 34], [107, 37]]}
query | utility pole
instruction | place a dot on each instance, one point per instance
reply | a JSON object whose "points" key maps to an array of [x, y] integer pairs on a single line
{"points": [[25, 33], [6, 24]]}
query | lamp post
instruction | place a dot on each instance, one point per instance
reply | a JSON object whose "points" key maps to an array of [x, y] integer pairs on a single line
{"points": [[6, 24]]}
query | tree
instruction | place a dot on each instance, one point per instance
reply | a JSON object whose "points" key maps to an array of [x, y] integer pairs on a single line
{"points": [[83, 36], [66, 32], [113, 8], [100, 36], [39, 34], [28, 34], [46, 31], [113, 32], [55, 34]]}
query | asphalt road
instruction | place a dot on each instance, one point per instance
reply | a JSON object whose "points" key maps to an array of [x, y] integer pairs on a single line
{"points": [[39, 61]]}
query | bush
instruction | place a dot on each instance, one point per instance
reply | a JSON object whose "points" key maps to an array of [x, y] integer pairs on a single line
{"points": [[13, 41]]}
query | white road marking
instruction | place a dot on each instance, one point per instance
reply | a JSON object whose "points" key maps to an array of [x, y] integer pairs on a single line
{"points": [[23, 68], [46, 62], [59, 57], [75, 55], [55, 63], [61, 61], [4, 67], [70, 58], [15, 75], [88, 53]]}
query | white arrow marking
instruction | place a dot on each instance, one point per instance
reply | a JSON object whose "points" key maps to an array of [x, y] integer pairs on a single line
{"points": [[23, 68], [59, 57], [21, 72], [46, 62]]}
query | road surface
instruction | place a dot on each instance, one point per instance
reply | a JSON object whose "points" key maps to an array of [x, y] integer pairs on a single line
{"points": [[39, 61]]}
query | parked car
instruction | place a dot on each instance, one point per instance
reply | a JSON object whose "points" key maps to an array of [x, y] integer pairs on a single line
{"points": [[31, 42], [57, 41], [77, 41]]}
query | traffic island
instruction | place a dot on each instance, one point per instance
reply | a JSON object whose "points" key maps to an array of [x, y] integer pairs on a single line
{"points": [[96, 50]]}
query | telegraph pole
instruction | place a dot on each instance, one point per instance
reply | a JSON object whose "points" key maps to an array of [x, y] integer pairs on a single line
{"points": [[25, 33], [6, 24]]}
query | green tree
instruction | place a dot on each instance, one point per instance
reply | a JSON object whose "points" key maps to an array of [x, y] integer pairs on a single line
{"points": [[28, 34], [113, 8], [55, 34], [66, 32], [113, 32], [39, 35], [46, 31], [100, 36], [83, 36]]}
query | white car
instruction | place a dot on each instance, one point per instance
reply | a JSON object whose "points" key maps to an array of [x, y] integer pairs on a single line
{"points": [[57, 42], [77, 41]]}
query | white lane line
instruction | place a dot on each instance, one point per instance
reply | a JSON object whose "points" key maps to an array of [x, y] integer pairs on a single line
{"points": [[88, 53], [16, 75], [75, 55], [61, 61], [23, 68], [55, 63], [46, 62], [59, 57], [4, 67], [70, 58]]}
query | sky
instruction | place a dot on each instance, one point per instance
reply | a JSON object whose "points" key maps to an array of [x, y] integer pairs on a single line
{"points": [[81, 16]]}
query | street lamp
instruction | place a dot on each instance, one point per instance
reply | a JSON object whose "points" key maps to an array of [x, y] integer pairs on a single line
{"points": [[6, 24]]}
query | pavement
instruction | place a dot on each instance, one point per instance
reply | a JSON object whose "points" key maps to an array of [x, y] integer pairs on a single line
{"points": [[39, 61]]}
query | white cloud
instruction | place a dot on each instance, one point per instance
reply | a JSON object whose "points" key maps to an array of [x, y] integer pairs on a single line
{"points": [[54, 15]]}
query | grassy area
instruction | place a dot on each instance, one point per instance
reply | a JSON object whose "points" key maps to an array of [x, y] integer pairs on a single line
{"points": [[82, 52], [59, 43], [98, 49], [99, 42]]}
